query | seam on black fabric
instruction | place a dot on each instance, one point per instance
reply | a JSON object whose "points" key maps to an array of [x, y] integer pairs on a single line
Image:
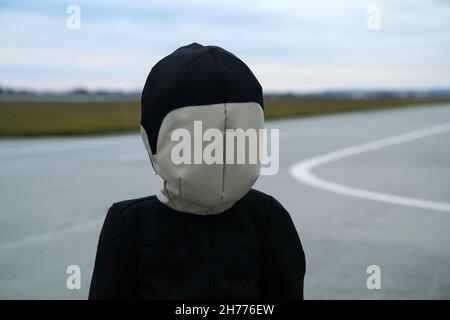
{"points": [[224, 99], [135, 202], [152, 246], [121, 210], [127, 225], [212, 260], [275, 261], [115, 239], [132, 234], [169, 88], [185, 68], [242, 63], [301, 276]]}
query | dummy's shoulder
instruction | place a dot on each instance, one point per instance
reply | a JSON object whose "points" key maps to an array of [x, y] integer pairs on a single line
{"points": [[124, 205], [259, 197], [120, 218], [265, 202]]}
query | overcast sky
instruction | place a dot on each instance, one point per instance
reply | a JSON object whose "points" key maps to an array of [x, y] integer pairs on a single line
{"points": [[298, 46]]}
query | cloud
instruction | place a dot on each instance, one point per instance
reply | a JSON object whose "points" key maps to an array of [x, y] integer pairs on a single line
{"points": [[293, 45]]}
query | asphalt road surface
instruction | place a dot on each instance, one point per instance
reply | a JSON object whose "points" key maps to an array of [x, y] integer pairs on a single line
{"points": [[368, 188]]}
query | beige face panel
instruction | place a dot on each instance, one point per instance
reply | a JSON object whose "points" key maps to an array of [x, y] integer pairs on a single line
{"points": [[205, 188]]}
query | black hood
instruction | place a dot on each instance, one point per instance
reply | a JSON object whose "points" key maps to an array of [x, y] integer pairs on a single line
{"points": [[195, 75], [204, 84]]}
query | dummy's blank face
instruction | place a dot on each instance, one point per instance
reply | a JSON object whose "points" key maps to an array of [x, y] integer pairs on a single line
{"points": [[198, 181]]}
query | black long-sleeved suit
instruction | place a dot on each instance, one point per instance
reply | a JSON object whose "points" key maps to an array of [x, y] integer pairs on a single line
{"points": [[150, 251]]}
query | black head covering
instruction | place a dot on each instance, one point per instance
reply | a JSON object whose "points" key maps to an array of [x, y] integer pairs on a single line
{"points": [[195, 75]]}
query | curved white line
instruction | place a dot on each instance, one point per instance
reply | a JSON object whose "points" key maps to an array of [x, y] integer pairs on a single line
{"points": [[302, 170]]}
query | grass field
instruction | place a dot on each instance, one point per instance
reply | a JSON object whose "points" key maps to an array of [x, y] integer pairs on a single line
{"points": [[26, 118]]}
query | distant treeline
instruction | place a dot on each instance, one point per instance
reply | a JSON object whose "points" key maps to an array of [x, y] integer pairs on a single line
{"points": [[74, 92], [348, 94]]}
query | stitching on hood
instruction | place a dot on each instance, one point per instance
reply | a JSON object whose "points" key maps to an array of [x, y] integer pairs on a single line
{"points": [[219, 73]]}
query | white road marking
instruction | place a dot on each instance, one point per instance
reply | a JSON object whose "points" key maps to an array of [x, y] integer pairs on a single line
{"points": [[302, 170]]}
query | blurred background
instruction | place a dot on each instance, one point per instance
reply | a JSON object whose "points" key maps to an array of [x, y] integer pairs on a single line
{"points": [[360, 91]]}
